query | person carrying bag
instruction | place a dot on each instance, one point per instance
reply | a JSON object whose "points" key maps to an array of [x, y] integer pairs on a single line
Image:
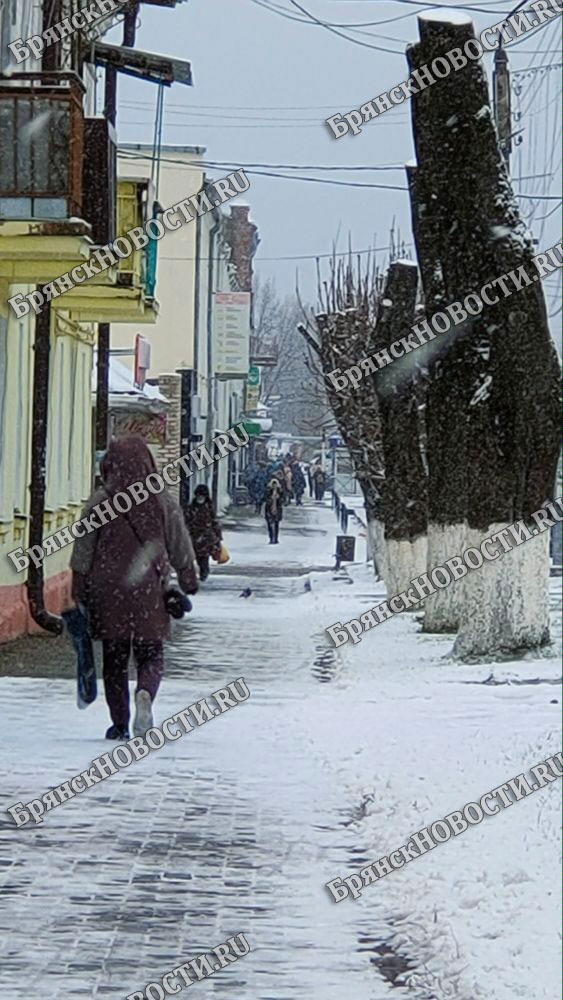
{"points": [[204, 528], [121, 572]]}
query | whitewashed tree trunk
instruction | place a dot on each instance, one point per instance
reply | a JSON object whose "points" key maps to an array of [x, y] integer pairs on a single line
{"points": [[376, 539], [506, 605], [405, 560], [442, 610]]}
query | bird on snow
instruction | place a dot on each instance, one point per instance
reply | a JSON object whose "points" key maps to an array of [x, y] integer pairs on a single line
{"points": [[246, 592]]}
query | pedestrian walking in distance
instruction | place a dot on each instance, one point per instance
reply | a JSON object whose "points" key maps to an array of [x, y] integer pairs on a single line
{"points": [[204, 529], [319, 480], [274, 508], [298, 482], [288, 477], [310, 480], [256, 479], [121, 573]]}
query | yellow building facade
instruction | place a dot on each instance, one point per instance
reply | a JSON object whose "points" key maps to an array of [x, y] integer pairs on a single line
{"points": [[68, 452], [117, 296]]}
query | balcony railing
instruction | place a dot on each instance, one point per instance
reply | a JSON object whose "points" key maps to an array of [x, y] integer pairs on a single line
{"points": [[42, 146], [135, 201]]}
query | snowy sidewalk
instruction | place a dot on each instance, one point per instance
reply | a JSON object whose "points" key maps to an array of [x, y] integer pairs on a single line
{"points": [[337, 757]]}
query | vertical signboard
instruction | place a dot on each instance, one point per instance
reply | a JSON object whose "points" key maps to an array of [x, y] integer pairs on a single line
{"points": [[142, 359], [252, 389], [232, 333]]}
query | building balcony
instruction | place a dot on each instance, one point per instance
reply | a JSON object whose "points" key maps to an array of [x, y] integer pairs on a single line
{"points": [[125, 293], [42, 234], [135, 206], [108, 303], [42, 143], [58, 195]]}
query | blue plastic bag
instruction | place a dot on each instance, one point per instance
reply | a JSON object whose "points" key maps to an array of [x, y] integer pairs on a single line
{"points": [[76, 623]]}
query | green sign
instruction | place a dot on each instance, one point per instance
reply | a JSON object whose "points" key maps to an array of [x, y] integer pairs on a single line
{"points": [[253, 375], [252, 428]]}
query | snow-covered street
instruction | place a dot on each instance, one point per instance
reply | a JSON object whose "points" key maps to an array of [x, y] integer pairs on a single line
{"points": [[337, 757]]}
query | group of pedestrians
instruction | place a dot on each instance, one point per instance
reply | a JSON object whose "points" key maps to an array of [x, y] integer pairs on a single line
{"points": [[274, 485]]}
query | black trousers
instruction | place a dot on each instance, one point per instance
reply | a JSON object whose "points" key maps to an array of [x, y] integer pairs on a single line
{"points": [[203, 564], [273, 529], [149, 659]]}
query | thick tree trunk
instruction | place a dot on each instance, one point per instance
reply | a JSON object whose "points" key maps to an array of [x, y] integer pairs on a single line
{"points": [[376, 542], [444, 358], [507, 366], [404, 500]]}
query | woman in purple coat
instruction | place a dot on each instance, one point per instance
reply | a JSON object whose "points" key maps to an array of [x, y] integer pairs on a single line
{"points": [[120, 572]]}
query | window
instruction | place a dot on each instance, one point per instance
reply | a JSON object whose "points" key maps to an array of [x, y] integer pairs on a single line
{"points": [[34, 138]]}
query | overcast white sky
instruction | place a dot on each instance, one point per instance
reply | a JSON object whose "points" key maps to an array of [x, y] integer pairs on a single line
{"points": [[283, 78]]}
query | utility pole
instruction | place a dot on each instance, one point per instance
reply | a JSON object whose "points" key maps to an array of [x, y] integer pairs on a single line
{"points": [[501, 96], [104, 329], [501, 99]]}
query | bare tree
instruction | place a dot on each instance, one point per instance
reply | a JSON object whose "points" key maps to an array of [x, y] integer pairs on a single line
{"points": [[337, 338], [302, 407]]}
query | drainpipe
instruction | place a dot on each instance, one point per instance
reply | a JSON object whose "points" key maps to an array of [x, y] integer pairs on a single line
{"points": [[210, 373], [104, 329], [197, 299], [42, 348], [102, 386]]}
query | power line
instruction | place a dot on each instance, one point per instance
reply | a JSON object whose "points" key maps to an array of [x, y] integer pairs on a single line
{"points": [[355, 26], [418, 3], [249, 107], [311, 180], [310, 256], [288, 166], [336, 31], [222, 125], [224, 164], [314, 180], [535, 69], [187, 112]]}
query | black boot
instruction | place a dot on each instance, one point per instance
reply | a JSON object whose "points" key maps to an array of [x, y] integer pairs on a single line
{"points": [[117, 733]]}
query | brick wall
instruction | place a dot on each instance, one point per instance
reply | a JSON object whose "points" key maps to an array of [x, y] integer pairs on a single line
{"points": [[242, 235]]}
